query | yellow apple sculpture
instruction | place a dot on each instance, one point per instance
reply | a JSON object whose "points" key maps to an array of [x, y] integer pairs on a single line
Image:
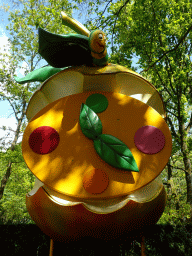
{"points": [[96, 142]]}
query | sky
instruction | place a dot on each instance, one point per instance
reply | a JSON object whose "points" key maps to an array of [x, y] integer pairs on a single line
{"points": [[6, 113], [6, 118]]}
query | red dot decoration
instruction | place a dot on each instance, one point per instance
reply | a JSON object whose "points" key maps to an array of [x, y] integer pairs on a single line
{"points": [[44, 140], [149, 139]]}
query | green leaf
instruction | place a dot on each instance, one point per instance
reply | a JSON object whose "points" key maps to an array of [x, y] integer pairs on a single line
{"points": [[40, 75], [114, 152], [90, 123]]}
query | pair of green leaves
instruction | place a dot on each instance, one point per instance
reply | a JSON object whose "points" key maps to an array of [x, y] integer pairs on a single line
{"points": [[112, 150]]}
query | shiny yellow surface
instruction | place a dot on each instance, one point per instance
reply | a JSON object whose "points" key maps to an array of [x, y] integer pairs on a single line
{"points": [[111, 78], [64, 168], [109, 69], [74, 24]]}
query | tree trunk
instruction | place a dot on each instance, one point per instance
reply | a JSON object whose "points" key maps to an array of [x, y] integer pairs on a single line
{"points": [[184, 146], [169, 171], [8, 170], [169, 176], [5, 179], [188, 178], [188, 173]]}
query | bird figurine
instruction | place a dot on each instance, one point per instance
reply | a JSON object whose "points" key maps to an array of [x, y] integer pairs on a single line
{"points": [[97, 44], [61, 51], [85, 48], [96, 39]]}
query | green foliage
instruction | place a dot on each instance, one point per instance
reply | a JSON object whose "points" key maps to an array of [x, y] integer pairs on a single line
{"points": [[167, 239], [12, 206], [177, 211], [13, 156], [176, 217]]}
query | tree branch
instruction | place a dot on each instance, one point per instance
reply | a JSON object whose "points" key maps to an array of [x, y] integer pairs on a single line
{"points": [[172, 113], [9, 129], [113, 32], [171, 50], [168, 73], [106, 7], [189, 126], [164, 86], [115, 14], [177, 168], [172, 127], [7, 98]]}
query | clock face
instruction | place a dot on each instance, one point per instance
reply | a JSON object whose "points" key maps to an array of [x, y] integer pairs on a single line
{"points": [[96, 145]]}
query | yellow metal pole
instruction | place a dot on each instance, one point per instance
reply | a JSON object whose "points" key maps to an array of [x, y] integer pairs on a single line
{"points": [[142, 245], [51, 248]]}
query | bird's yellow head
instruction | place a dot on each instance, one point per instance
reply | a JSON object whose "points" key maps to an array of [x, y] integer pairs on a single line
{"points": [[97, 41]]}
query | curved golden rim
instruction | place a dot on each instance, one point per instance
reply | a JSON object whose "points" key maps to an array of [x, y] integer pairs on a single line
{"points": [[105, 71]]}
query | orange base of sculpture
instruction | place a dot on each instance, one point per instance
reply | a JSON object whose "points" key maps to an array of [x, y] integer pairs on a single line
{"points": [[71, 223]]}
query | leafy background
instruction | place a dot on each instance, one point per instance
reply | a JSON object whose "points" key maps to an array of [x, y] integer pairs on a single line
{"points": [[152, 37]]}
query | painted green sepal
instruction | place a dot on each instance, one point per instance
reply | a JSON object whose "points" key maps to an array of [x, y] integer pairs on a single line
{"points": [[39, 75], [90, 123], [114, 152], [97, 102]]}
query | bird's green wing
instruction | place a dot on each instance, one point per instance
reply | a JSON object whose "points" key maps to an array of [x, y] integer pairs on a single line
{"points": [[64, 50]]}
